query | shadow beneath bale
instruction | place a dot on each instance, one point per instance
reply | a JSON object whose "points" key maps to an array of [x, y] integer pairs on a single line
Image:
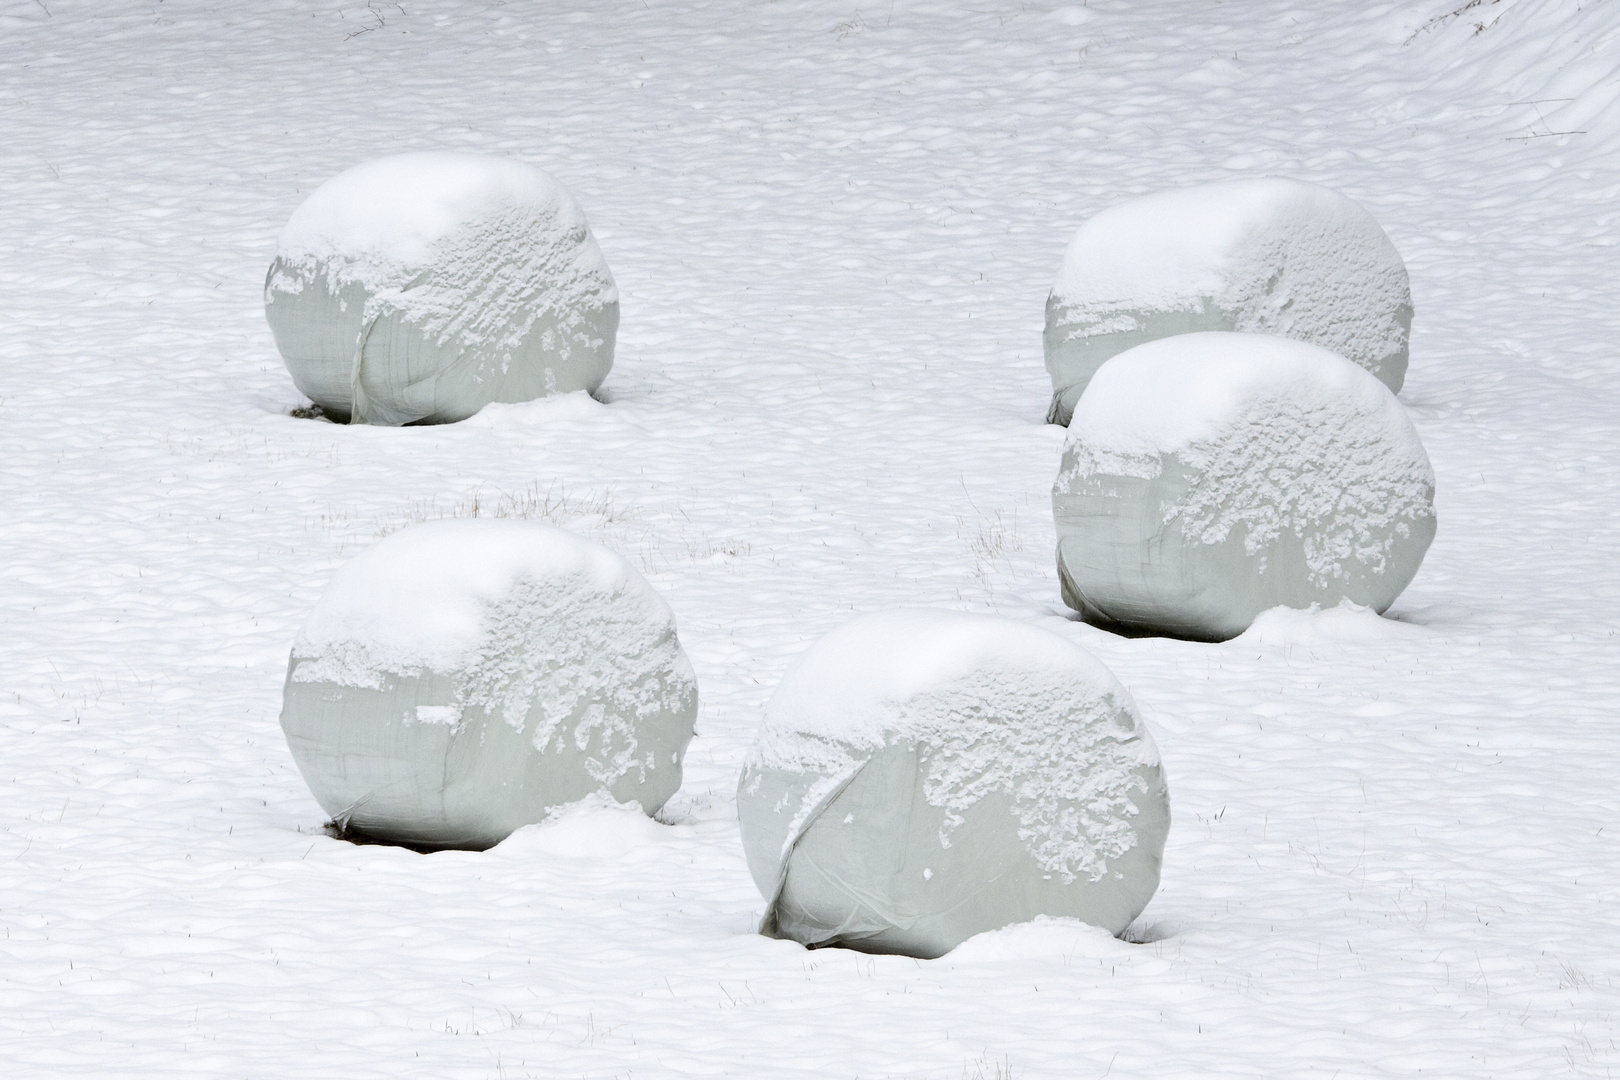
{"points": [[1134, 631], [350, 835], [1147, 933]]}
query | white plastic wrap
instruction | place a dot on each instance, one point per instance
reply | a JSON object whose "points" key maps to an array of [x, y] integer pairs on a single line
{"points": [[422, 287], [1255, 256], [1208, 477], [461, 678], [924, 776]]}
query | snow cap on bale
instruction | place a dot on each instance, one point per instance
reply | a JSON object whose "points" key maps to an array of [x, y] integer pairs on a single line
{"points": [[1209, 477], [422, 287], [461, 678], [924, 776], [1256, 256]]}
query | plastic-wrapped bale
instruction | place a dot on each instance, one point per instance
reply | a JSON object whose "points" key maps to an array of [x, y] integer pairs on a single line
{"points": [[1209, 477], [1254, 256], [422, 287], [923, 776], [460, 679]]}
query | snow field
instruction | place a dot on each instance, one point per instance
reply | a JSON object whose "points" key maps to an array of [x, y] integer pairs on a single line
{"points": [[832, 229]]}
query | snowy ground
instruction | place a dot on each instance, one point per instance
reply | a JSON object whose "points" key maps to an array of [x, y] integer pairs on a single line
{"points": [[1397, 843]]}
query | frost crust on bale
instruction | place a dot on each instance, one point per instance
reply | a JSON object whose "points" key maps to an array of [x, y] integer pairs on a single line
{"points": [[923, 776], [459, 679], [1209, 477], [1255, 256], [422, 287]]}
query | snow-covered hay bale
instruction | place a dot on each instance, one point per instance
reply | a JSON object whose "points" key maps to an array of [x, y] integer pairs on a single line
{"points": [[924, 776], [459, 679], [1255, 256], [422, 287], [1208, 477]]}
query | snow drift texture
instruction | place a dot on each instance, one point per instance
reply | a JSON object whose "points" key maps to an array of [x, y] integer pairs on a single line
{"points": [[422, 287], [461, 678], [1208, 477], [1258, 256], [921, 777]]}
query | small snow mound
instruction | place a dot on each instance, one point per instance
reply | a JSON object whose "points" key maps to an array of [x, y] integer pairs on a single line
{"points": [[592, 828], [1258, 256], [1208, 477], [1349, 622], [1044, 937], [462, 678], [421, 287], [571, 408], [1005, 770]]}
